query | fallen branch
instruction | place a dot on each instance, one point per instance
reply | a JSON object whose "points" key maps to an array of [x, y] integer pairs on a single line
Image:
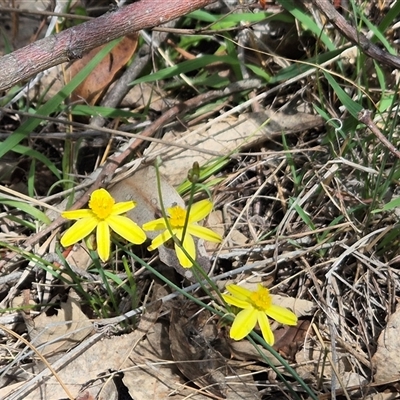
{"points": [[73, 42]]}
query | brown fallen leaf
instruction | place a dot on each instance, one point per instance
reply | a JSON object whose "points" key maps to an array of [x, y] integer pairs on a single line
{"points": [[201, 354], [289, 339], [105, 72], [57, 333], [87, 373], [223, 137], [386, 360], [191, 349]]}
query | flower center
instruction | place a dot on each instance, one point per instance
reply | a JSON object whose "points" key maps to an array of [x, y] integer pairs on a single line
{"points": [[177, 217], [261, 299], [101, 203]]}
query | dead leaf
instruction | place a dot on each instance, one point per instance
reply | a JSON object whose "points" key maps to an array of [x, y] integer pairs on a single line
{"points": [[224, 137], [191, 349], [243, 350], [236, 239], [315, 365], [300, 307], [104, 73], [88, 369], [386, 360], [198, 349], [63, 330], [289, 339]]}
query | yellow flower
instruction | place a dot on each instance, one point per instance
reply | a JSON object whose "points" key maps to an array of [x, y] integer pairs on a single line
{"points": [[256, 305], [177, 218], [103, 214]]}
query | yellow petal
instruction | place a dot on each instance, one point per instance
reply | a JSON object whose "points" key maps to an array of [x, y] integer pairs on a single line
{"points": [[239, 292], [103, 240], [243, 324], [155, 225], [200, 210], [120, 208], [204, 233], [77, 214], [78, 231], [159, 240], [189, 246], [234, 301], [282, 315], [265, 328], [127, 229]]}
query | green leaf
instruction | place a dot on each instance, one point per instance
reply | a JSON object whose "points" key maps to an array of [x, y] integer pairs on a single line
{"points": [[26, 151], [388, 19], [206, 171], [184, 67], [304, 66], [378, 34], [202, 15], [27, 208], [353, 107], [307, 22], [214, 81], [259, 71], [106, 112], [388, 206], [303, 215]]}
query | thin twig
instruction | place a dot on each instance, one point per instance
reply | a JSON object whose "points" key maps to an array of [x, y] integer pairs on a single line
{"points": [[365, 117]]}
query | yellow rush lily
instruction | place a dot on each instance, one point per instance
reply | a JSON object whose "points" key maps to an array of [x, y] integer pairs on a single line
{"points": [[256, 306], [103, 214], [176, 218]]}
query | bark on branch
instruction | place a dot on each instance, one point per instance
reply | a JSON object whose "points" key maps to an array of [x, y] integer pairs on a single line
{"points": [[71, 43]]}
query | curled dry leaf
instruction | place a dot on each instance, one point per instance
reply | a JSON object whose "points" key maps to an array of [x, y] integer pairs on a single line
{"points": [[288, 341], [386, 360], [225, 136], [105, 72], [201, 354], [66, 328]]}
